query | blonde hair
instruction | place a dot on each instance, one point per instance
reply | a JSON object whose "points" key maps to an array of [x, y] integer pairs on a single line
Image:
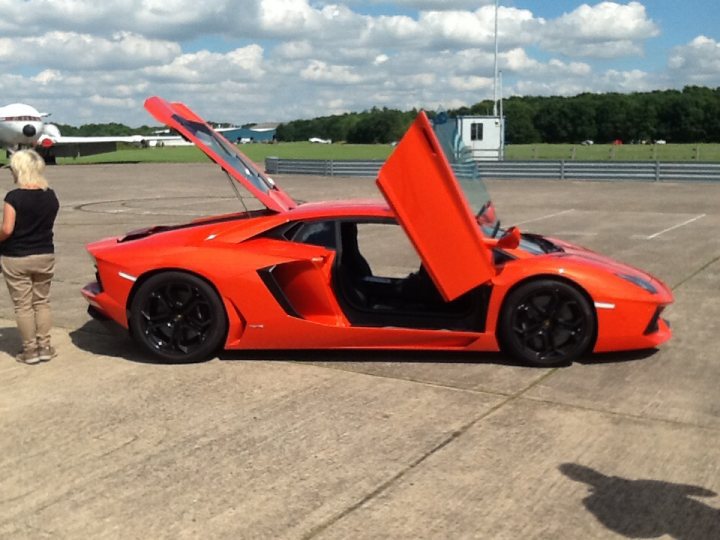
{"points": [[28, 167]]}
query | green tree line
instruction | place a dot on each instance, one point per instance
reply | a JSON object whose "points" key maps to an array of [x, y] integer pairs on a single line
{"points": [[111, 129], [691, 115], [376, 126]]}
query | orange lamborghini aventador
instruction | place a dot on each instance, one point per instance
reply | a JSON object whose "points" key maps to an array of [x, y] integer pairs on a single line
{"points": [[426, 266]]}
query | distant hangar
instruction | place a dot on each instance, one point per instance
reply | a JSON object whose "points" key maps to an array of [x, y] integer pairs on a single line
{"points": [[259, 133]]}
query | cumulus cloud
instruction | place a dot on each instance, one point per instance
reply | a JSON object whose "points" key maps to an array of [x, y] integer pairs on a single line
{"points": [[321, 72], [429, 5], [70, 50], [284, 59], [698, 61], [205, 66], [605, 30]]}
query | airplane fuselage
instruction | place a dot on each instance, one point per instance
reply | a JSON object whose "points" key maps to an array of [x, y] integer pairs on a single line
{"points": [[20, 124]]}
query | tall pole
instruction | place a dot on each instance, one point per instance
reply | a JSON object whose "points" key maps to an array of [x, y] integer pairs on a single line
{"points": [[501, 154], [495, 78], [500, 83]]}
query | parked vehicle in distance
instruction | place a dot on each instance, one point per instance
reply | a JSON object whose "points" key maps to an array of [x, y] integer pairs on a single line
{"points": [[427, 267]]}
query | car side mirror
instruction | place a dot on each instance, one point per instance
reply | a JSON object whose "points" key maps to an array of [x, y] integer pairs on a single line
{"points": [[511, 239]]}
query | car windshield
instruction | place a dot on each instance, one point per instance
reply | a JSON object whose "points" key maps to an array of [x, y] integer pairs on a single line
{"points": [[227, 152], [466, 172]]}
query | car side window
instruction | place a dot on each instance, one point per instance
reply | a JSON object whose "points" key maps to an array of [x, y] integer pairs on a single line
{"points": [[317, 233], [387, 249]]}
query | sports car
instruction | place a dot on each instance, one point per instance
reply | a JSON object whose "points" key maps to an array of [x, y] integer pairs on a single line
{"points": [[425, 267]]}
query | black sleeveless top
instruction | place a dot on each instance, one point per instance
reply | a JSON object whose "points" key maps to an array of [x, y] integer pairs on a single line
{"points": [[35, 212]]}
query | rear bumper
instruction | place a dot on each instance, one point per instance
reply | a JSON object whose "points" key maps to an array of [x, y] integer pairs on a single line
{"points": [[90, 292], [101, 305]]}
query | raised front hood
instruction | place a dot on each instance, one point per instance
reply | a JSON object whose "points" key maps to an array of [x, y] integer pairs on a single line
{"points": [[180, 118]]}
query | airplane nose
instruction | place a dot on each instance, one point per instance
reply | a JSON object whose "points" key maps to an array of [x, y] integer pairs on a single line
{"points": [[29, 130]]}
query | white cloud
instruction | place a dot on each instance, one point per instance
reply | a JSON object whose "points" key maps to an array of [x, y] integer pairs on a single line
{"points": [[431, 5], [321, 72], [471, 83], [79, 52], [698, 61], [112, 102], [294, 50], [605, 30], [259, 60], [204, 66]]}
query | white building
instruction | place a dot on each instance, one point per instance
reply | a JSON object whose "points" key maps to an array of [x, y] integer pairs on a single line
{"points": [[484, 135]]}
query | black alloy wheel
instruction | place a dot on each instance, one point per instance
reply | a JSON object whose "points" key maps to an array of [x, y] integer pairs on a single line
{"points": [[546, 323], [178, 317]]}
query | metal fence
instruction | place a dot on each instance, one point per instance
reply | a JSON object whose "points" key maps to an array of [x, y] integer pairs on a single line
{"points": [[650, 171], [320, 167]]}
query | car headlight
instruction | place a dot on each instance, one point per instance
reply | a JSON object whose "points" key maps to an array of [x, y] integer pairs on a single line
{"points": [[640, 282]]}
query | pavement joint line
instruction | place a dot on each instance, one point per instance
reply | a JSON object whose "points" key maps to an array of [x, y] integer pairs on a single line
{"points": [[548, 216], [698, 271], [415, 381], [621, 414], [520, 394], [400, 474]]}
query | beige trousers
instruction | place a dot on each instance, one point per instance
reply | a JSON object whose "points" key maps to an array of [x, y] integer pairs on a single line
{"points": [[28, 281]]}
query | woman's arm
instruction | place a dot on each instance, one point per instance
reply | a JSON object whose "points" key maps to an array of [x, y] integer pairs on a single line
{"points": [[8, 222]]}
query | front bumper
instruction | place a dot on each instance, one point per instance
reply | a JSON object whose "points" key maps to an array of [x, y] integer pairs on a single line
{"points": [[631, 326]]}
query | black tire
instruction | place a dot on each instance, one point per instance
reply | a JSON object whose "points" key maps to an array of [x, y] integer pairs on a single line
{"points": [[178, 317], [547, 322]]}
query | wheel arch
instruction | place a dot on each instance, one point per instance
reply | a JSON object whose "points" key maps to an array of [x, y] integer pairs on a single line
{"points": [[147, 275], [554, 277]]}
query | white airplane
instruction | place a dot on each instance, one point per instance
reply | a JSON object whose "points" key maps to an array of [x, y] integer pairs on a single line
{"points": [[22, 126]]}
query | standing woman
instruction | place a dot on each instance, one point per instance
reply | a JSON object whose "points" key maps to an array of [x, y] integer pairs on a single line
{"points": [[28, 253]]}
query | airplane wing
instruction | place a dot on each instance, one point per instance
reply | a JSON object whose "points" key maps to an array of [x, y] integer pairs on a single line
{"points": [[51, 147], [52, 144]]}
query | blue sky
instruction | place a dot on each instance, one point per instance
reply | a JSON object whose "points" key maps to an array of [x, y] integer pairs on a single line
{"points": [[275, 60]]}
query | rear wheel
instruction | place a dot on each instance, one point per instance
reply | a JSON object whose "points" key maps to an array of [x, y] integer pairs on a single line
{"points": [[178, 317], [547, 323]]}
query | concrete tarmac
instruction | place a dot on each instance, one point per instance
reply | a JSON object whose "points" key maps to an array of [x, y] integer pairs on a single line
{"points": [[102, 442]]}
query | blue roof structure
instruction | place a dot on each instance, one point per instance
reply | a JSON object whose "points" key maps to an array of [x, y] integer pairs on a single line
{"points": [[249, 135]]}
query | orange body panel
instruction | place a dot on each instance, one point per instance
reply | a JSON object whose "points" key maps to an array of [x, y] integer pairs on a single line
{"points": [[278, 293], [419, 184], [223, 254]]}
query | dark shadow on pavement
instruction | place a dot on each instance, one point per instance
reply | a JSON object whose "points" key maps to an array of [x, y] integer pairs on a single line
{"points": [[618, 357], [10, 341], [108, 339], [647, 508]]}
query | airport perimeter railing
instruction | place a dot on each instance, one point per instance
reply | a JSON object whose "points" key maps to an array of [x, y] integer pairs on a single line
{"points": [[319, 167], [649, 171]]}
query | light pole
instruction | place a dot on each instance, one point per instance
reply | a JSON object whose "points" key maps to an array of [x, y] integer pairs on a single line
{"points": [[495, 76]]}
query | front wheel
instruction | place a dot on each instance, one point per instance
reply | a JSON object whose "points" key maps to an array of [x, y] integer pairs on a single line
{"points": [[547, 323], [178, 317]]}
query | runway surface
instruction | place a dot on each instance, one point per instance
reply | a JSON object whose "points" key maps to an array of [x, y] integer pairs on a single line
{"points": [[103, 443]]}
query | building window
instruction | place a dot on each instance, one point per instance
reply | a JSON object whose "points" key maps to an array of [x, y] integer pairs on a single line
{"points": [[476, 132]]}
